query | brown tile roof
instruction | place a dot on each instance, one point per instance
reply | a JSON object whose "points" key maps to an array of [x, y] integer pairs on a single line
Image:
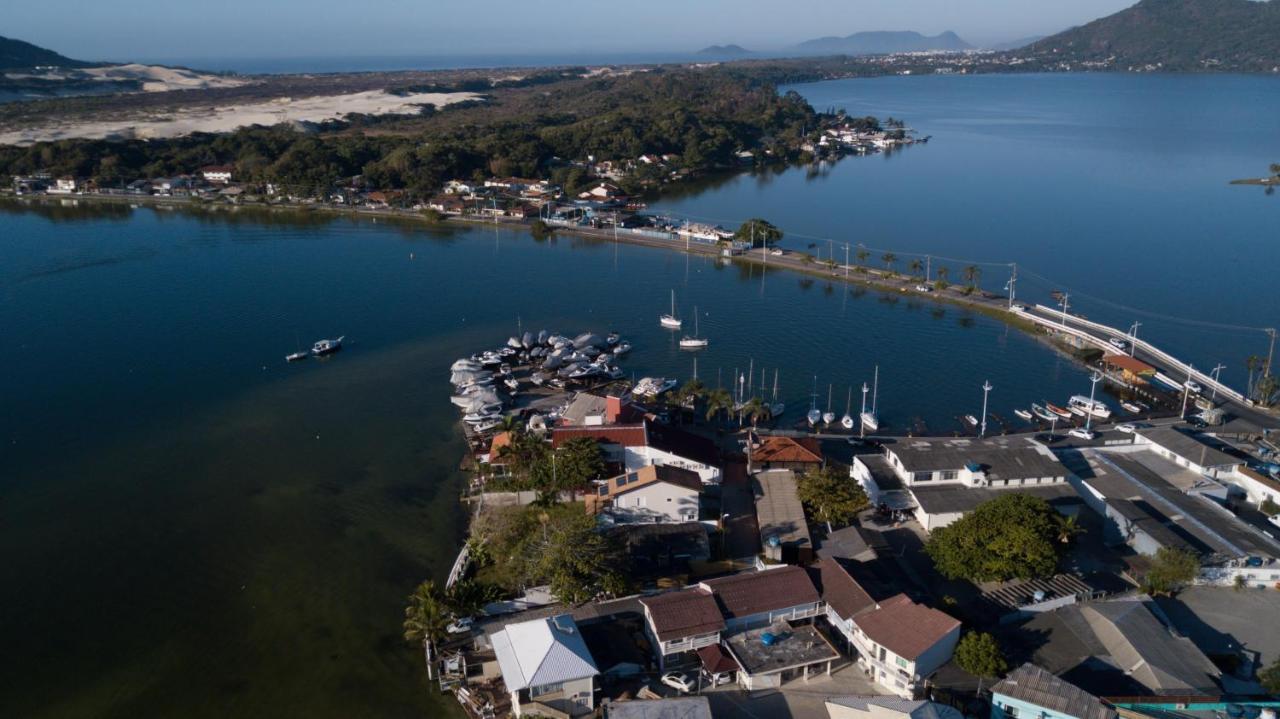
{"points": [[1126, 362], [686, 613], [839, 589], [631, 481], [627, 435], [500, 440], [716, 660], [904, 627], [787, 449], [742, 595]]}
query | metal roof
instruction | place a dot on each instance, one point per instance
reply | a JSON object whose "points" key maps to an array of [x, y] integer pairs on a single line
{"points": [[1189, 447], [676, 708], [912, 708], [778, 508], [542, 651], [1030, 683], [1000, 458]]}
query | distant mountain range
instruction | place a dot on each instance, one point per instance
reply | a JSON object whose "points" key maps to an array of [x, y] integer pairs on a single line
{"points": [[1015, 44], [881, 42], [725, 51], [20, 55], [1242, 35]]}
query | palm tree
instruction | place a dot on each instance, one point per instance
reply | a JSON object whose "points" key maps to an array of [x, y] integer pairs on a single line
{"points": [[943, 273], [862, 254], [691, 392], [1275, 168], [755, 410], [1068, 529], [426, 619], [718, 400], [971, 275], [916, 266], [510, 423], [889, 258]]}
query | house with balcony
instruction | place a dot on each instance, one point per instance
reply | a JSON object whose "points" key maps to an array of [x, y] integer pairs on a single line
{"points": [[900, 643], [1030, 692], [641, 444], [683, 621], [655, 494], [545, 666], [758, 599]]}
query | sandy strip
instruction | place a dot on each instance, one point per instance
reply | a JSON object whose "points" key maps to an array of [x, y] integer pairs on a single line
{"points": [[187, 120]]}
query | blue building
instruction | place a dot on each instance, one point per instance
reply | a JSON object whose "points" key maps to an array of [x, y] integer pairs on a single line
{"points": [[1030, 692]]}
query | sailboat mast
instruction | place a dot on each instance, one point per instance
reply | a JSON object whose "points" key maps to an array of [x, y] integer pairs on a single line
{"points": [[775, 385], [848, 400], [875, 392], [829, 397]]}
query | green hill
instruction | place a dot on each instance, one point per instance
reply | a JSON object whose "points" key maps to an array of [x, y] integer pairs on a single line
{"points": [[19, 55], [1188, 35]]}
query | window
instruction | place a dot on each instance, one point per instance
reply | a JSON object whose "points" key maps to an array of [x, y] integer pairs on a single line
{"points": [[950, 474], [921, 476], [1011, 712], [901, 662], [545, 689], [604, 490]]}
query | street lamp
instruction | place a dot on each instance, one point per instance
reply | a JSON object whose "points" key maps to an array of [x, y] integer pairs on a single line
{"points": [[1095, 378], [986, 390], [1133, 332], [1186, 392], [1217, 374]]}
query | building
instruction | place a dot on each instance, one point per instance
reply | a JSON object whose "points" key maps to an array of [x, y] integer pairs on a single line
{"points": [[1188, 450], [1132, 371], [776, 452], [219, 174], [1030, 692], [882, 707], [632, 446], [774, 655], [900, 643], [758, 599], [654, 494], [784, 534], [545, 663], [674, 708], [1121, 648], [64, 186], [947, 478], [591, 410], [683, 621]]}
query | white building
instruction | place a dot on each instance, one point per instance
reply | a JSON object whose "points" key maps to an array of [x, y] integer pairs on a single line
{"points": [[64, 186], [1187, 451], [220, 174], [881, 707], [545, 664], [653, 494], [900, 643]]}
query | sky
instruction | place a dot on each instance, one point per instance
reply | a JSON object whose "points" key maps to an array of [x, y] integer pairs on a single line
{"points": [[122, 30]]}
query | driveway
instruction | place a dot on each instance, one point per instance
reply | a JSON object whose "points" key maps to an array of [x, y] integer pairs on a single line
{"points": [[797, 700], [742, 534]]}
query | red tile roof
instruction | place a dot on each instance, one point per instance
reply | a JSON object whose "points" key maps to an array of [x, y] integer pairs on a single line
{"points": [[627, 435], [1126, 362], [787, 449], [904, 627], [686, 613], [716, 660], [839, 589], [743, 595]]}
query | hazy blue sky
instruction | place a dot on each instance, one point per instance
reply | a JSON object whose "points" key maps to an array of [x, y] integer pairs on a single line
{"points": [[124, 29]]}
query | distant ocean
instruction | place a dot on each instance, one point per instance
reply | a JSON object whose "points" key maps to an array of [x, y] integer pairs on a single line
{"points": [[288, 65]]}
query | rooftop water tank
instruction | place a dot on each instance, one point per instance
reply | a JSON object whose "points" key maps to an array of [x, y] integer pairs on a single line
{"points": [[768, 638], [1039, 595]]}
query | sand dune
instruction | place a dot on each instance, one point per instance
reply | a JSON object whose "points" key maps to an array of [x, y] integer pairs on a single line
{"points": [[187, 120]]}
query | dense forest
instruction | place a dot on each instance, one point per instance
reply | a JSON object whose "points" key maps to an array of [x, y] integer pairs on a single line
{"points": [[701, 116]]}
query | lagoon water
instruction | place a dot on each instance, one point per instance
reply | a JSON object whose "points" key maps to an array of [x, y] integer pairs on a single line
{"points": [[190, 526]]}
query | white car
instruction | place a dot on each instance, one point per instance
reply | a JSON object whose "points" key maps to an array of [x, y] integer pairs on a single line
{"points": [[1193, 386], [461, 625], [678, 681], [1082, 433], [924, 288], [1018, 307], [1118, 344], [1127, 428]]}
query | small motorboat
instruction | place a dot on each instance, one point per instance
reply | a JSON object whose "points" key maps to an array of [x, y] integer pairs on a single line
{"points": [[1130, 407], [622, 348], [295, 356], [1043, 413], [694, 343], [480, 417], [971, 420], [1023, 414], [814, 416], [325, 347], [1062, 413], [514, 343], [653, 386]]}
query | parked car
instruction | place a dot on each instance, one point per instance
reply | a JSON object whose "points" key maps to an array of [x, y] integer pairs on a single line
{"points": [[1193, 386], [1127, 428], [1082, 433], [1018, 307], [678, 681], [461, 625]]}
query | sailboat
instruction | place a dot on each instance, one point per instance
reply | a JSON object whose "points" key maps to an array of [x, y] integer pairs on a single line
{"points": [[295, 356], [670, 321], [815, 415], [847, 420], [828, 417], [695, 342], [871, 420], [776, 408]]}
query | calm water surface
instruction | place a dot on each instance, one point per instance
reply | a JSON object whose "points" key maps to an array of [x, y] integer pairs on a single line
{"points": [[190, 526]]}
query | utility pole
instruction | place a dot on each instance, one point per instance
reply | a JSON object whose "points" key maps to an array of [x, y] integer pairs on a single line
{"points": [[1094, 379], [986, 390], [1013, 281], [1217, 374], [1186, 392], [1266, 372], [846, 262], [1065, 296], [928, 268], [1133, 333]]}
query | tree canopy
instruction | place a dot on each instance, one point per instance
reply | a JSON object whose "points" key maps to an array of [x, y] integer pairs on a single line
{"points": [[1171, 569], [831, 496], [758, 232], [1014, 536], [979, 654]]}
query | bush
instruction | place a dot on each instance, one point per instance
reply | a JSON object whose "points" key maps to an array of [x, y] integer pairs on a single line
{"points": [[979, 654]]}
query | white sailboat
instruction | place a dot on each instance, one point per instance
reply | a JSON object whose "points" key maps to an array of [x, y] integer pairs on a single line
{"points": [[776, 408], [695, 342], [815, 414], [670, 321], [847, 420], [871, 420], [828, 417]]}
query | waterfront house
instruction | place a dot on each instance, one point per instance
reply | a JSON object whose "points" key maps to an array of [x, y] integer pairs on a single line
{"points": [[603, 192], [459, 187], [946, 478], [1188, 450], [900, 643], [64, 186], [882, 707], [1030, 692], [844, 596], [217, 174], [784, 533], [654, 494], [760, 598], [777, 452], [446, 205], [546, 667], [682, 621], [640, 444]]}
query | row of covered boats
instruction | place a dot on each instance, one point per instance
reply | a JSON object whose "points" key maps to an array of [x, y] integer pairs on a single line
{"points": [[1078, 406]]}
